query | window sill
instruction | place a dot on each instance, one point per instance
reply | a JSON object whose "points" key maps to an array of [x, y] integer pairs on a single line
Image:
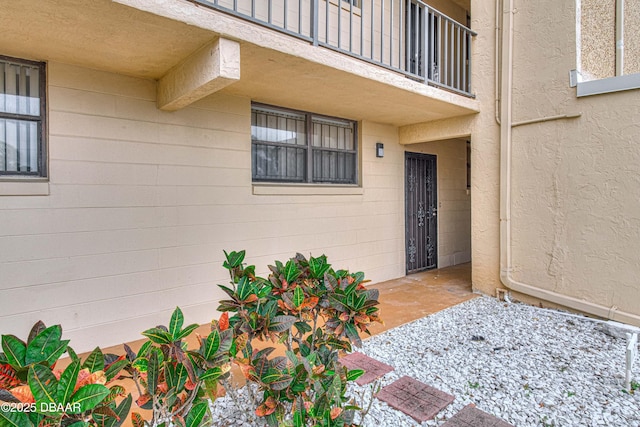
{"points": [[271, 189], [23, 187], [612, 84]]}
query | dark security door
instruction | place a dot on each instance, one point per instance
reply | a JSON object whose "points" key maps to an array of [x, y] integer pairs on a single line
{"points": [[421, 210]]}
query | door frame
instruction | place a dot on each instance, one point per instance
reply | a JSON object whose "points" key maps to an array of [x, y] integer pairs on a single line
{"points": [[434, 159]]}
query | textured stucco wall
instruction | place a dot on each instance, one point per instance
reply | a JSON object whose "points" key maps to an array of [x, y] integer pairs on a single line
{"points": [[576, 186], [597, 39], [454, 202], [485, 155], [142, 203], [597, 26], [631, 36]]}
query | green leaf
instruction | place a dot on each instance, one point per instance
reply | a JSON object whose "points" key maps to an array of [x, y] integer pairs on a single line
{"points": [[245, 288], [272, 420], [354, 374], [318, 266], [67, 382], [303, 327], [359, 302], [211, 374], [226, 340], [57, 352], [153, 371], [175, 325], [72, 354], [330, 282], [176, 377], [291, 271], [14, 419], [196, 415], [43, 384], [88, 397], [45, 345], [352, 334], [335, 389], [95, 361], [281, 383], [234, 259], [282, 323], [228, 291], [80, 424], [187, 331], [15, 350], [349, 290], [298, 296], [145, 349], [141, 364], [114, 369], [158, 336], [359, 277], [298, 418], [121, 411], [35, 418], [35, 330], [211, 345]]}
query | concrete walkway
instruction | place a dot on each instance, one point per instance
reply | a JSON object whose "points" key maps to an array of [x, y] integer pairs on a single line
{"points": [[418, 295]]}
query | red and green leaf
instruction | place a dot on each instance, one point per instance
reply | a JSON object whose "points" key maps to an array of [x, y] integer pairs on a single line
{"points": [[43, 384], [137, 420], [8, 377]]}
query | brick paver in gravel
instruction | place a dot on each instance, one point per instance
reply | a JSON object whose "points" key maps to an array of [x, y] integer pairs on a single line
{"points": [[470, 416], [418, 400], [373, 369]]}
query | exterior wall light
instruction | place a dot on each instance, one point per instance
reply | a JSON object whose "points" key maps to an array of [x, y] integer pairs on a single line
{"points": [[379, 149]]}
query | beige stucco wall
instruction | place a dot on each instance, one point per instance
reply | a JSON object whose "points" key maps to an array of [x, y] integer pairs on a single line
{"points": [[575, 211], [454, 201], [485, 155], [631, 37], [597, 26], [142, 203]]}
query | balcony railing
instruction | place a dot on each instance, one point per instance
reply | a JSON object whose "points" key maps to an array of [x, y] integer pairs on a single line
{"points": [[406, 36]]}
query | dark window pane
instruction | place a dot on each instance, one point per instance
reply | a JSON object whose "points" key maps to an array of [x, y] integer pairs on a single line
{"points": [[280, 145], [20, 117]]}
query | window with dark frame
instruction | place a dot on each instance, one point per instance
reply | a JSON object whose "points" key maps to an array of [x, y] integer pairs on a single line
{"points": [[300, 147], [22, 117]]}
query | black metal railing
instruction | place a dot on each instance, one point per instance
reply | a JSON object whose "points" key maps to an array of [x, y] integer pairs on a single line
{"points": [[407, 36]]}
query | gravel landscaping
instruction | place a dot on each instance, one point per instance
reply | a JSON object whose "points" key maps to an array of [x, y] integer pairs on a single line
{"points": [[528, 366]]}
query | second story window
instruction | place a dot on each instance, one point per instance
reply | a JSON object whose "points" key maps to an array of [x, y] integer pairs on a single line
{"points": [[298, 147], [22, 117]]}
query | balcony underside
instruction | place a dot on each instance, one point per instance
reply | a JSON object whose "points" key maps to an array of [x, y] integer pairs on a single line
{"points": [[275, 68]]}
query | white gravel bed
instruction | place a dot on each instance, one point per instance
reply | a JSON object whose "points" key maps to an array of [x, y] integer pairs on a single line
{"points": [[528, 366]]}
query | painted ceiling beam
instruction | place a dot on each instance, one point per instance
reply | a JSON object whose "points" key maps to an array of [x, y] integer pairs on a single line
{"points": [[208, 70]]}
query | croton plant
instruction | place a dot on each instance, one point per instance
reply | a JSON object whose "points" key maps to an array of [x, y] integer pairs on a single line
{"points": [[176, 384], [311, 310], [315, 312], [34, 393]]}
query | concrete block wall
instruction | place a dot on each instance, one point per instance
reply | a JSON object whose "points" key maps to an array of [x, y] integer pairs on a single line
{"points": [[142, 203]]}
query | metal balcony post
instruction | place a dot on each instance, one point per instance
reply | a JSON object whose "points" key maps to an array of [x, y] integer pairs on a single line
{"points": [[314, 21]]}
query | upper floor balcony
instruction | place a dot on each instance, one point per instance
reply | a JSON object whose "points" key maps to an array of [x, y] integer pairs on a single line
{"points": [[396, 62], [406, 36]]}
